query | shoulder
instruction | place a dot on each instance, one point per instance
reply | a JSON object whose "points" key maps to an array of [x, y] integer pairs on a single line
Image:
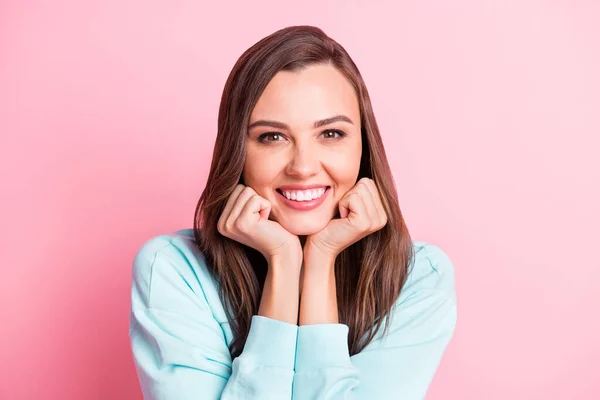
{"points": [[179, 245], [430, 277], [431, 268], [169, 272], [176, 250], [427, 307]]}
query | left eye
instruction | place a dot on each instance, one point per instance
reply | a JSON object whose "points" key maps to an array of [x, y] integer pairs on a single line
{"points": [[334, 131]]}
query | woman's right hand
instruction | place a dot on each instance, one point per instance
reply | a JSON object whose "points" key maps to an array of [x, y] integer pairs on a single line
{"points": [[245, 219]]}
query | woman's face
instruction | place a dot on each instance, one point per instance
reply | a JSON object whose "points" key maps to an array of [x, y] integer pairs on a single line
{"points": [[288, 146]]}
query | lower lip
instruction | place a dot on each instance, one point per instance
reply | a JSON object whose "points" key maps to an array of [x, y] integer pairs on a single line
{"points": [[304, 205]]}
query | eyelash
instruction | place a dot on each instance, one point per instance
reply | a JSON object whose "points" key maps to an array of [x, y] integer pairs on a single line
{"points": [[262, 138]]}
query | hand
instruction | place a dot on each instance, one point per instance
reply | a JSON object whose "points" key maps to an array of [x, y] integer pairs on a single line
{"points": [[361, 213], [245, 219]]}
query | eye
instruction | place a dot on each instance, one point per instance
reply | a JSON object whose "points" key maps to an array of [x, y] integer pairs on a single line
{"points": [[263, 138], [330, 134]]}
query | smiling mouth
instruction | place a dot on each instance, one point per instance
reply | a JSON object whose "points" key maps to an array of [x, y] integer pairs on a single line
{"points": [[303, 204], [292, 197]]}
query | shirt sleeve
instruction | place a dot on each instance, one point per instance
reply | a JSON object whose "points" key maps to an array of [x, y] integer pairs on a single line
{"points": [[179, 348], [400, 365]]}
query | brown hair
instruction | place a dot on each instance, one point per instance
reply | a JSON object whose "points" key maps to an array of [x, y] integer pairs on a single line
{"points": [[371, 272]]}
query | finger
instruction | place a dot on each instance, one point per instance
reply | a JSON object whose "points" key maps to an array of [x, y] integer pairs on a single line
{"points": [[343, 204], [371, 211], [255, 208], [357, 211], [228, 206], [232, 199], [375, 192], [378, 203], [239, 205]]}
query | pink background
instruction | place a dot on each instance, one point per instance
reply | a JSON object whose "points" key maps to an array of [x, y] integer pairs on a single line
{"points": [[490, 116]]}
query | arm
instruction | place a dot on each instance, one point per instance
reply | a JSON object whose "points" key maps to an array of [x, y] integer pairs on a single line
{"points": [[265, 368], [318, 304], [179, 348], [400, 365], [280, 295]]}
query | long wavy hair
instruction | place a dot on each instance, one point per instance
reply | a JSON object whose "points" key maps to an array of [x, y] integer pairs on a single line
{"points": [[371, 272]]}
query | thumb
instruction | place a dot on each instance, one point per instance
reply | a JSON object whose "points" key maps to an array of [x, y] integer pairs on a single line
{"points": [[343, 207], [265, 208]]}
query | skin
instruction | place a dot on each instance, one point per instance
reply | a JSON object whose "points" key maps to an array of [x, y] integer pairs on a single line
{"points": [[303, 154], [301, 246]]}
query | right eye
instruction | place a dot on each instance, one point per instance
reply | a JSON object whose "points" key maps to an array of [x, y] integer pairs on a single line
{"points": [[263, 138]]}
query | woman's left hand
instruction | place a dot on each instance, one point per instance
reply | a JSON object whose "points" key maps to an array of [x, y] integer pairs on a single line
{"points": [[361, 213]]}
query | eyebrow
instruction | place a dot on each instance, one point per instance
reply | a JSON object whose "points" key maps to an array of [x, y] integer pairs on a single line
{"points": [[317, 124]]}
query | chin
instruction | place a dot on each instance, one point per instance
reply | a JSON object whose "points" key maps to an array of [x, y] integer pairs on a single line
{"points": [[304, 228]]}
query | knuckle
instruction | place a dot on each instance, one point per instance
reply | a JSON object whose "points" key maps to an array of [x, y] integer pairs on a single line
{"points": [[248, 189], [221, 225], [383, 222], [236, 190], [223, 229], [251, 203], [240, 225]]}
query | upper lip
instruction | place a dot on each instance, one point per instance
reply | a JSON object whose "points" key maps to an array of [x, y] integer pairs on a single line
{"points": [[302, 187]]}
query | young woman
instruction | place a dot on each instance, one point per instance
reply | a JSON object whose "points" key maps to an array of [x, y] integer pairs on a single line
{"points": [[299, 279]]}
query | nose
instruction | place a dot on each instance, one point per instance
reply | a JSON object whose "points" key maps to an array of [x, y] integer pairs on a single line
{"points": [[304, 161]]}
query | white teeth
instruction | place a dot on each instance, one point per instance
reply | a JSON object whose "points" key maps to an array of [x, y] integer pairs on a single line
{"points": [[305, 195]]}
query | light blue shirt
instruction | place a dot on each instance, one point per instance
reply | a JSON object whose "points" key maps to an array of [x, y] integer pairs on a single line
{"points": [[180, 336]]}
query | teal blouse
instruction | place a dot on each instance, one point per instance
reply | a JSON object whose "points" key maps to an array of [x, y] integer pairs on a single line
{"points": [[180, 335]]}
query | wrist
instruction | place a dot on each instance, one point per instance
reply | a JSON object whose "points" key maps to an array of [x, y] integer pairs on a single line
{"points": [[290, 259], [280, 295], [318, 300], [289, 250], [317, 253]]}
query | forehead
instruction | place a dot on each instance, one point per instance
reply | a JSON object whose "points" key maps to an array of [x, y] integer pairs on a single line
{"points": [[302, 97]]}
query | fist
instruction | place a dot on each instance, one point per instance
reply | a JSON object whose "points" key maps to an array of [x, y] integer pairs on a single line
{"points": [[245, 219], [361, 213]]}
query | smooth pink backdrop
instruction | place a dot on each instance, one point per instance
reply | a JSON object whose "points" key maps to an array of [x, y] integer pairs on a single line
{"points": [[490, 117]]}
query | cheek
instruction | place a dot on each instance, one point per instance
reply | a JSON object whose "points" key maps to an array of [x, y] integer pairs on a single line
{"points": [[259, 170], [344, 168]]}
